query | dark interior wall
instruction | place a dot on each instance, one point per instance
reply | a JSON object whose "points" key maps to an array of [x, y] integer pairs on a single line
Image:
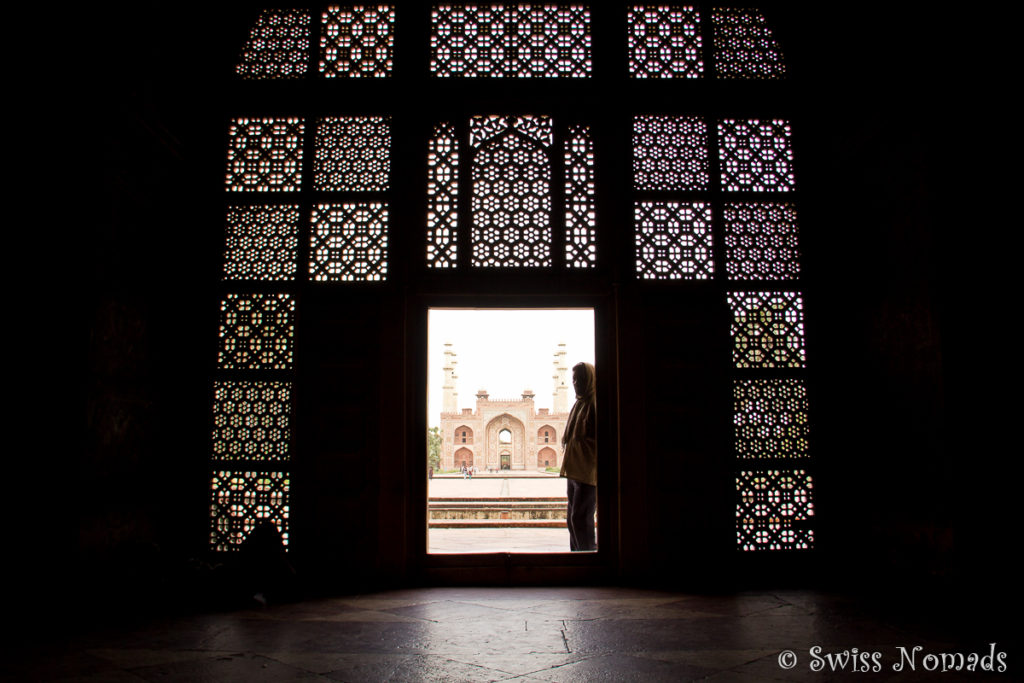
{"points": [[875, 114], [875, 322], [136, 497]]}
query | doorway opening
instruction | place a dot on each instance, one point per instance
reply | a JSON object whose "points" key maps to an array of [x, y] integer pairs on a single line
{"points": [[499, 392]]}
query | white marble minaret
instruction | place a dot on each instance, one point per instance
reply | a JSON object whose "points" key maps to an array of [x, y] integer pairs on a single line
{"points": [[561, 397], [451, 397]]}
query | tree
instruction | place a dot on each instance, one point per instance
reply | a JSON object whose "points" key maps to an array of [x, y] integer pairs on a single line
{"points": [[434, 448]]}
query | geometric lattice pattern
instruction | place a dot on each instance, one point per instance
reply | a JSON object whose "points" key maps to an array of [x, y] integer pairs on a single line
{"points": [[357, 42], [511, 203], [510, 41], [352, 153], [243, 500], [767, 329], [673, 240], [774, 510], [664, 42], [251, 420], [580, 210], [278, 46], [349, 242], [745, 46], [256, 332], [265, 155], [761, 241], [261, 243], [756, 156], [670, 153], [537, 128], [770, 418], [442, 197]]}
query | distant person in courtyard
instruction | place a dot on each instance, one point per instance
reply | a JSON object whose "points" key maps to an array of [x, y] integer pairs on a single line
{"points": [[579, 464]]}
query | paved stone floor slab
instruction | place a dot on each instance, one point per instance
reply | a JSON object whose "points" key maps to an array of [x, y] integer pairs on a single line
{"points": [[511, 634]]}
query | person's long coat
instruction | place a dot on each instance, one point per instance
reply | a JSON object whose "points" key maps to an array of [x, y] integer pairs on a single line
{"points": [[579, 461]]}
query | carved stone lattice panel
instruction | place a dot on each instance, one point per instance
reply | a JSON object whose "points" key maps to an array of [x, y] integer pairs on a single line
{"points": [[664, 42], [251, 420], [770, 418], [240, 501], [756, 156], [261, 243], [257, 332], [517, 41], [761, 241], [744, 45], [352, 153], [670, 153], [774, 510], [537, 128], [349, 242], [673, 241], [278, 46], [265, 155], [767, 329], [442, 197], [580, 202], [357, 42], [511, 203]]}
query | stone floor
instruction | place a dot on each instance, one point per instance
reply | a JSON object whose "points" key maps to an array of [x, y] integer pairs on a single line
{"points": [[514, 634]]}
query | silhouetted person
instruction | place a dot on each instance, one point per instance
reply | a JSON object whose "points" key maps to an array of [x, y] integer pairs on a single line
{"points": [[579, 464], [265, 569]]}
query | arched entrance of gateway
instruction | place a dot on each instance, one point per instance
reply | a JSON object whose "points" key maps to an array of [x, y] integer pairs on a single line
{"points": [[505, 443], [463, 458], [547, 457]]}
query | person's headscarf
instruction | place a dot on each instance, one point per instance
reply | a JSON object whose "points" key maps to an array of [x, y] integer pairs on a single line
{"points": [[580, 415]]}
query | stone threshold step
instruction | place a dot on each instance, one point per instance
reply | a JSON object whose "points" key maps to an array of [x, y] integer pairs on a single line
{"points": [[532, 512], [496, 523], [501, 500], [499, 504]]}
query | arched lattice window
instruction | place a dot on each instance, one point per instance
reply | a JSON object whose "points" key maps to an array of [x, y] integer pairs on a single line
{"points": [[511, 200], [513, 168]]}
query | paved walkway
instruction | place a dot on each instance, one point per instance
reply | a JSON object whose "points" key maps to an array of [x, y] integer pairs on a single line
{"points": [[496, 487], [448, 541]]}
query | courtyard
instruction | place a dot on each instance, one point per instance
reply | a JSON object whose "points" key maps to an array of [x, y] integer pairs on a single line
{"points": [[489, 513]]}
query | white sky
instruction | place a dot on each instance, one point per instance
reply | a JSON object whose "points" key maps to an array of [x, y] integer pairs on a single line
{"points": [[504, 351]]}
